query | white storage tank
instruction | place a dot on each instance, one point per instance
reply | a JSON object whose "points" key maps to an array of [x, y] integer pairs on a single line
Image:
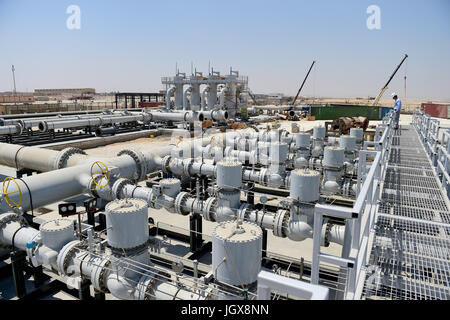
{"points": [[333, 157], [302, 140], [127, 223], [240, 243], [57, 233], [348, 143], [305, 185], [358, 133], [319, 133], [229, 174]]}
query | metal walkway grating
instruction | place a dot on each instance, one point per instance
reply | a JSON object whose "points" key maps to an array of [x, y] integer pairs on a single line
{"points": [[410, 254]]}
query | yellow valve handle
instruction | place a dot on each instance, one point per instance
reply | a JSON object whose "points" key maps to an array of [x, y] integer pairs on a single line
{"points": [[7, 194], [104, 174]]}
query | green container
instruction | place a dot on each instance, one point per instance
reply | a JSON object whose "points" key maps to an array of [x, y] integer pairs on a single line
{"points": [[334, 111]]}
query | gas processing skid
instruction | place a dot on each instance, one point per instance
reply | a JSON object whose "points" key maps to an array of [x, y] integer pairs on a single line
{"points": [[296, 186], [201, 93]]}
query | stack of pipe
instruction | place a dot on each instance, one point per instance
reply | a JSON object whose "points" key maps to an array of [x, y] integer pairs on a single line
{"points": [[351, 122]]}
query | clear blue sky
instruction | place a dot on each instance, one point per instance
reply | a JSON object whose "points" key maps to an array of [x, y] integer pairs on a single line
{"points": [[129, 45]]}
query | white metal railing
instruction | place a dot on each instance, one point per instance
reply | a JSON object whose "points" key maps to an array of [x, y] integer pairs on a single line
{"points": [[268, 281], [436, 141], [360, 219]]}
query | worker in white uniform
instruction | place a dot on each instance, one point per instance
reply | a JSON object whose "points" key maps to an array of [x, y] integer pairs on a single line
{"points": [[397, 108]]}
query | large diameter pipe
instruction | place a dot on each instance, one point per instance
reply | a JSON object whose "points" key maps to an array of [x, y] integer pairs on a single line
{"points": [[203, 99], [222, 94], [169, 94], [17, 156], [49, 187], [91, 122], [183, 116], [187, 91], [14, 231], [216, 115], [212, 96], [11, 129]]}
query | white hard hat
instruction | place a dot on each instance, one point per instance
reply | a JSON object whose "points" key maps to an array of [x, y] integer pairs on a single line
{"points": [[393, 94]]}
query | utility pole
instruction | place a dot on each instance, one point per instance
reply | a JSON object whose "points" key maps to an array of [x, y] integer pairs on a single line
{"points": [[14, 79], [405, 88]]}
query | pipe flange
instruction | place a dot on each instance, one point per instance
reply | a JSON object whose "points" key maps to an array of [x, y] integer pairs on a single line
{"points": [[119, 185], [326, 236], [179, 200], [66, 254], [165, 164], [187, 163], [141, 164], [210, 205], [144, 288], [262, 176], [98, 275], [8, 218], [280, 219], [64, 156], [92, 189]]}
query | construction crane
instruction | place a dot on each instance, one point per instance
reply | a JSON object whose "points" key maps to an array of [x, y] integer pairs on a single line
{"points": [[251, 95], [377, 99], [303, 83]]}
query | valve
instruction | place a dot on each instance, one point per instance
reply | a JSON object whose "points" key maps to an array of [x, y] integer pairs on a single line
{"points": [[104, 174], [7, 193]]}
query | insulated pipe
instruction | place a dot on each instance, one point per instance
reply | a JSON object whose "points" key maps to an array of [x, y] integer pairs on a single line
{"points": [[222, 94], [179, 95], [39, 159], [49, 187], [44, 126], [11, 129], [170, 92], [178, 116], [205, 92], [195, 97], [216, 115], [34, 122], [43, 160], [186, 105], [13, 229], [212, 96]]}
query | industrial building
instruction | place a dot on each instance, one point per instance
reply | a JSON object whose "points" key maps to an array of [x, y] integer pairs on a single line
{"points": [[177, 202]]}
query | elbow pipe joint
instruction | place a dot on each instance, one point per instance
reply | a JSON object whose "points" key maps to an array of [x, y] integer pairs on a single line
{"points": [[185, 99], [204, 95], [170, 92]]}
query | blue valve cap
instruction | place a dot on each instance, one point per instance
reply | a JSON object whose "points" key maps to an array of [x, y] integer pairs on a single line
{"points": [[31, 244]]}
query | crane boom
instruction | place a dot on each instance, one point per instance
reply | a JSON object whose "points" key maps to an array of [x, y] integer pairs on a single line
{"points": [[251, 95], [303, 83], [377, 99]]}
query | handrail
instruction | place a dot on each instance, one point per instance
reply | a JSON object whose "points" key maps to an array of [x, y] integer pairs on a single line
{"points": [[268, 281], [437, 148], [360, 219]]}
